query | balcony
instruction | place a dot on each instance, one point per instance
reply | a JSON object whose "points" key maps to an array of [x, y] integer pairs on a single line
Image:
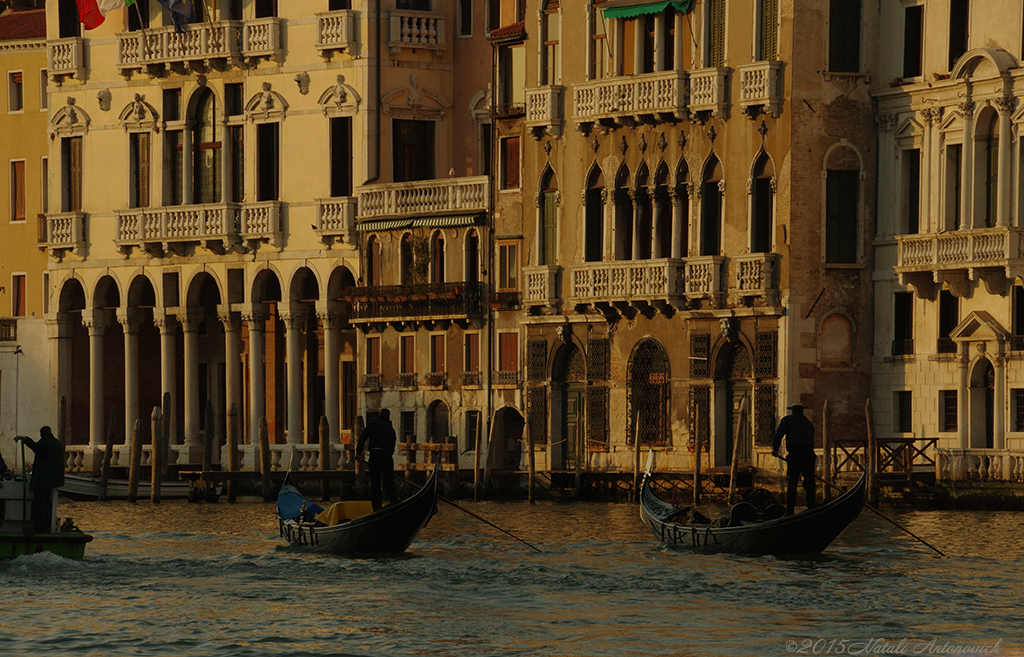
{"points": [[507, 378], [261, 222], [162, 230], [336, 220], [626, 99], [704, 279], [995, 255], [334, 32], [755, 277], [65, 58], [65, 231], [436, 302], [708, 91], [416, 30], [543, 293], [626, 283], [406, 380], [544, 113], [760, 88], [459, 195], [506, 300], [216, 44], [372, 382], [438, 380], [472, 379]]}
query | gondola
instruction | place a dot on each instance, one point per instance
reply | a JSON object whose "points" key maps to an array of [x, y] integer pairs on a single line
{"points": [[353, 528], [753, 531]]}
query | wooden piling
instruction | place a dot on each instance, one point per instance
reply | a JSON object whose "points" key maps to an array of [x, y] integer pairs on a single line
{"points": [[232, 426], [265, 458], [476, 455], [698, 443], [871, 455], [157, 424], [531, 464], [634, 495], [108, 454], [325, 457], [357, 458], [135, 462], [740, 419], [826, 445]]}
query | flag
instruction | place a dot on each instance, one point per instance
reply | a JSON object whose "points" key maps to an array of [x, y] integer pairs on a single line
{"points": [[93, 12], [182, 12]]}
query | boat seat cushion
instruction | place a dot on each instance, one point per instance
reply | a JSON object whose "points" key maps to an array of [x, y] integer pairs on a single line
{"points": [[340, 512]]}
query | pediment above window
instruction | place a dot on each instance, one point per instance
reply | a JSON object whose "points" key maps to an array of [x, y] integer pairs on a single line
{"points": [[139, 115], [267, 105], [979, 326], [70, 120], [414, 102], [341, 99]]}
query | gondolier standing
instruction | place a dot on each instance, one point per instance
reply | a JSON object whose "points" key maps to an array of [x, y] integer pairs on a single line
{"points": [[47, 475], [799, 434], [380, 436]]}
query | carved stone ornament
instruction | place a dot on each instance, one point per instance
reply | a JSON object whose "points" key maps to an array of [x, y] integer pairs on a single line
{"points": [[103, 96], [623, 145], [139, 115], [642, 145], [302, 79], [339, 99], [728, 326], [267, 104], [662, 142], [886, 122], [595, 144], [966, 109], [1004, 104], [564, 333], [70, 120]]}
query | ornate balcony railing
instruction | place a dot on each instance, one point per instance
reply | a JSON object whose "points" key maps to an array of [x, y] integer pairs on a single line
{"points": [[424, 196], [372, 381], [506, 300], [626, 281], [980, 465], [704, 278], [760, 87], [261, 39], [992, 254], [65, 58], [435, 301], [708, 91], [405, 380], [164, 229], [755, 276], [65, 231], [261, 221], [334, 32], [633, 96], [472, 379], [417, 30], [544, 109], [202, 43], [435, 379], [507, 378], [542, 286], [336, 219]]}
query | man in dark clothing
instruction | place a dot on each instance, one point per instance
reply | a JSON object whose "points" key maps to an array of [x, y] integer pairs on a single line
{"points": [[799, 434], [47, 475], [380, 436]]}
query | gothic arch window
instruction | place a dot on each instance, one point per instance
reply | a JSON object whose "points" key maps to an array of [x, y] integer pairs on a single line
{"points": [[842, 204], [472, 257], [681, 241], [206, 149], [623, 228], [373, 261], [712, 189], [642, 207], [437, 258], [648, 393], [547, 231], [405, 255], [661, 204], [593, 238], [835, 344], [762, 204]]}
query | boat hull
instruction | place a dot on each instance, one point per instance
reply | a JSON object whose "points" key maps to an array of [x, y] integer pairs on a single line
{"points": [[390, 530], [807, 532], [78, 487], [70, 545]]}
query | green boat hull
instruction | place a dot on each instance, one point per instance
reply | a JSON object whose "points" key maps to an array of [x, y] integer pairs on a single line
{"points": [[70, 545]]}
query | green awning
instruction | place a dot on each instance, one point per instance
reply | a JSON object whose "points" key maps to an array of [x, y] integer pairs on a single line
{"points": [[634, 8], [432, 222]]}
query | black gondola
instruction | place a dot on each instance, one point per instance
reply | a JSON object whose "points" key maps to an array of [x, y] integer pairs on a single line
{"points": [[749, 531], [388, 530]]}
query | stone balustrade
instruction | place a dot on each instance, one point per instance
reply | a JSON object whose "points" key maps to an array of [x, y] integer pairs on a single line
{"points": [[65, 231], [626, 281], [760, 86], [979, 465], [336, 219], [65, 58], [630, 97], [542, 286], [708, 91], [424, 196], [335, 32], [202, 44], [217, 224], [544, 109], [417, 29]]}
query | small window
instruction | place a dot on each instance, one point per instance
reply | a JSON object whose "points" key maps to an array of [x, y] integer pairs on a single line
{"points": [[234, 105], [913, 22], [373, 261], [903, 324], [138, 16], [510, 163], [912, 190], [18, 190], [172, 104], [413, 150], [408, 427], [373, 355], [842, 195], [71, 174], [18, 295], [947, 411], [844, 28], [44, 186], [44, 81], [954, 185], [508, 352], [508, 266], [949, 317], [1017, 408], [903, 412], [15, 92], [959, 20], [140, 169], [264, 8], [341, 156], [465, 18], [407, 355], [268, 162]]}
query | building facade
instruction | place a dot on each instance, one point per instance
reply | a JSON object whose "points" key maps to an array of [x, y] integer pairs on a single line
{"points": [[948, 356]]}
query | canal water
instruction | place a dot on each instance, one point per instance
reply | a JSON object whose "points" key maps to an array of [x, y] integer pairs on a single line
{"points": [[184, 579]]}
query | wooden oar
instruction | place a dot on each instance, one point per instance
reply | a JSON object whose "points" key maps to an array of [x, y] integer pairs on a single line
{"points": [[470, 513], [876, 511]]}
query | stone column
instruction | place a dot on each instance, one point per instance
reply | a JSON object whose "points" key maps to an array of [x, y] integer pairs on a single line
{"points": [[967, 166], [659, 42], [96, 321], [634, 196], [1004, 191], [130, 319], [60, 329], [678, 248], [294, 323], [926, 221], [538, 231], [186, 164], [962, 405], [256, 319], [193, 409], [656, 219], [999, 412], [168, 376], [232, 357], [332, 397], [608, 210], [638, 56]]}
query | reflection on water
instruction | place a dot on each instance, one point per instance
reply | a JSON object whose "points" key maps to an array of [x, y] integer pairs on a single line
{"points": [[182, 579]]}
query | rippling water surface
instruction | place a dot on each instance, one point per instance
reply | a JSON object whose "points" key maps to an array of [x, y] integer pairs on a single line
{"points": [[181, 579]]}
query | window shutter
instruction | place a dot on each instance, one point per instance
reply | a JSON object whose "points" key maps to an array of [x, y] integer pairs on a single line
{"points": [[144, 168], [841, 235], [769, 30], [75, 174], [716, 33], [844, 36], [19, 190]]}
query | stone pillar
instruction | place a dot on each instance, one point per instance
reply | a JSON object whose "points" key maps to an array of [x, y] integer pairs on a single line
{"points": [[130, 319], [294, 323], [193, 409], [1004, 191], [656, 219], [96, 321], [60, 329], [332, 397], [168, 376], [186, 164], [256, 319], [634, 196], [659, 42], [538, 231], [678, 248], [967, 166], [608, 210], [232, 357], [964, 391], [638, 56]]}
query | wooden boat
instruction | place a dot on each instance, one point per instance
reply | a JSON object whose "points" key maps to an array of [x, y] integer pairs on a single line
{"points": [[750, 531], [81, 487], [353, 528], [64, 540]]}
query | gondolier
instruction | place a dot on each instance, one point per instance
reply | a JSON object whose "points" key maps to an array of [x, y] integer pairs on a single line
{"points": [[799, 434], [47, 475], [380, 436]]}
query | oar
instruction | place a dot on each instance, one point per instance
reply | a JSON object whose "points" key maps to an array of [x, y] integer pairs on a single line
{"points": [[468, 512], [876, 511]]}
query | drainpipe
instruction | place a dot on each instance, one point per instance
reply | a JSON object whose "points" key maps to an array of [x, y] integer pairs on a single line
{"points": [[373, 115]]}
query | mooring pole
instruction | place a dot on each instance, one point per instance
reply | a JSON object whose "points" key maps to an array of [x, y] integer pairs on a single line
{"points": [[532, 463], [232, 451], [871, 457], [208, 437], [635, 491], [108, 454], [157, 425], [698, 443], [265, 458], [135, 462], [826, 448], [325, 457], [736, 449]]}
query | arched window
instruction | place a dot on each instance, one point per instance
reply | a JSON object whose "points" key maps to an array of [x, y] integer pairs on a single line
{"points": [[437, 263], [711, 208], [206, 149], [623, 239], [648, 393], [989, 154], [406, 274], [472, 274], [438, 417], [662, 219], [762, 204], [642, 207], [593, 239], [681, 224], [547, 250], [836, 347], [373, 261]]}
